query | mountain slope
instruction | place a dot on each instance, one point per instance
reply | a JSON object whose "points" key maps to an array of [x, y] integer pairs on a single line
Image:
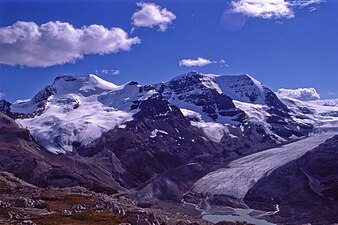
{"points": [[304, 189], [159, 138], [22, 156]]}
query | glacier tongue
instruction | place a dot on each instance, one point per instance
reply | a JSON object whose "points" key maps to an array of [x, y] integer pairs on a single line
{"points": [[242, 174]]}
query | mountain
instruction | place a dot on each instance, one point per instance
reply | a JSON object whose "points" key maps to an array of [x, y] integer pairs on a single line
{"points": [[232, 100], [155, 143], [74, 111], [69, 112], [135, 133]]}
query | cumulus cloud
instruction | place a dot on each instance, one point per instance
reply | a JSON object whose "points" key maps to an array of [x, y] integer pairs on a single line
{"points": [[108, 71], [304, 94], [151, 15], [55, 43], [269, 9], [200, 62], [262, 8], [195, 62]]}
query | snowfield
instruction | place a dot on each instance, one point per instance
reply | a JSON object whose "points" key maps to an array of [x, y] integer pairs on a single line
{"points": [[80, 110], [242, 174]]}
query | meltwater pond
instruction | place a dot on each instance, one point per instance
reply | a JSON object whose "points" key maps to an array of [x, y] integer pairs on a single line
{"points": [[238, 215]]}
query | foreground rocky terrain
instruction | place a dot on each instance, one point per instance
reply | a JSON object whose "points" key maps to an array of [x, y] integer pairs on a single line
{"points": [[23, 203]]}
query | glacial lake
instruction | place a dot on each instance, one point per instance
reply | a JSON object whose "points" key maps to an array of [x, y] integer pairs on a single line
{"points": [[239, 215]]}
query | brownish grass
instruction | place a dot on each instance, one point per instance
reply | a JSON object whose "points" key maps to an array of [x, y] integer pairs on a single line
{"points": [[4, 188], [65, 201], [84, 218], [4, 216]]}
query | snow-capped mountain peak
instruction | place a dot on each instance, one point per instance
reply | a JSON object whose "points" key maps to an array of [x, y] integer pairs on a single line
{"points": [[74, 111], [242, 88], [86, 85]]}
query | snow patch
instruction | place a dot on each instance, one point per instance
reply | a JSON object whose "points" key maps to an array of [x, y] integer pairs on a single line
{"points": [[154, 133], [24, 107], [214, 131]]}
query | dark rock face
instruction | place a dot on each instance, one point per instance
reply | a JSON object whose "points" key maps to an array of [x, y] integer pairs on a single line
{"points": [[43, 95], [20, 155], [39, 100], [157, 108], [189, 88], [280, 120], [276, 105], [306, 189], [249, 139], [5, 106]]}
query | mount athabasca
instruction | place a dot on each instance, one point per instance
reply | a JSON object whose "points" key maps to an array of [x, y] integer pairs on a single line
{"points": [[199, 145]]}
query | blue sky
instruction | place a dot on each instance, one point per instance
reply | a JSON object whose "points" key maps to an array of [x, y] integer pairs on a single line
{"points": [[291, 46]]}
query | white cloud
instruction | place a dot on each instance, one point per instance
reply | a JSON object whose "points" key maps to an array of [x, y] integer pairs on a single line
{"points": [[151, 15], [304, 94], [262, 8], [222, 63], [200, 62], [2, 94], [304, 3], [195, 62], [269, 9], [55, 43], [109, 72], [312, 9]]}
